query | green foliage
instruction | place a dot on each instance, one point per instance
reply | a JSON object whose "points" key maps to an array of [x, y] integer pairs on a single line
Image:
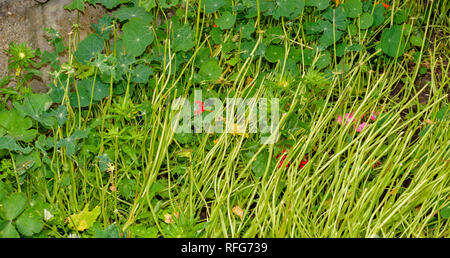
{"points": [[392, 41], [137, 36]]}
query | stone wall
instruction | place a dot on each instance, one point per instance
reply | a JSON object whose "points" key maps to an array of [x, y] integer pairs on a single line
{"points": [[23, 20]]}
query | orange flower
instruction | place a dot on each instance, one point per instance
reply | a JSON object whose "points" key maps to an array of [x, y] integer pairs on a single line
{"points": [[337, 2], [385, 5]]}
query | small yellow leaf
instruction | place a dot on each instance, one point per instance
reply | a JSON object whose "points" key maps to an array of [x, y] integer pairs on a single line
{"points": [[84, 219], [238, 211]]}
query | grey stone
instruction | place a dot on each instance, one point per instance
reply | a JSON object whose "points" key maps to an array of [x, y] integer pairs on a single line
{"points": [[23, 21]]}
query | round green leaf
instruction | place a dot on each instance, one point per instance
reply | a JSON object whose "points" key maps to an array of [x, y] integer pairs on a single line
{"points": [[137, 36], [210, 71], [324, 60], [212, 5], [366, 20], [392, 42], [141, 73], [226, 21], [274, 53], [89, 47], [353, 8]]}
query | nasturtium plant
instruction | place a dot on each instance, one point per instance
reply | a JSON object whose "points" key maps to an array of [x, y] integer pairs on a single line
{"points": [[378, 15], [141, 73], [109, 4], [286, 8], [210, 71], [323, 61], [392, 41], [126, 13], [353, 8], [183, 38], [226, 21], [137, 36], [104, 27], [366, 20], [76, 4], [320, 4], [211, 6], [274, 53], [89, 47]]}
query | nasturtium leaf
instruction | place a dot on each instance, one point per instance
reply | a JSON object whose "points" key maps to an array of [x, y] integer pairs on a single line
{"points": [[295, 54], [226, 21], [29, 222], [210, 71], [183, 38], [76, 4], [17, 126], [247, 29], [127, 13], [7, 230], [141, 73], [308, 56], [416, 39], [378, 14], [101, 90], [354, 47], [137, 36], [353, 8], [34, 105], [148, 5], [84, 219], [274, 35], [168, 3], [366, 20], [320, 4], [392, 41], [211, 6], [13, 205], [80, 98], [323, 61], [216, 35], [274, 53], [328, 38], [248, 46], [103, 27], [353, 30], [109, 4], [400, 17], [337, 16], [284, 8], [89, 47]]}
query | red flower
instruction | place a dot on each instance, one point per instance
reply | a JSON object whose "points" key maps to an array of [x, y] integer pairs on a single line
{"points": [[385, 5], [283, 157], [215, 25], [303, 163], [201, 108]]}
